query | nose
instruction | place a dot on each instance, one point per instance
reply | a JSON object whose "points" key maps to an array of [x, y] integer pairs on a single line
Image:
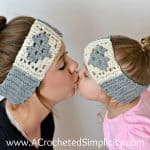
{"points": [[73, 66]]}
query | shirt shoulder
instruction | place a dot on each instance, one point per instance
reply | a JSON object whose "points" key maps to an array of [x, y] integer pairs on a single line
{"points": [[132, 126], [48, 127], [140, 112]]}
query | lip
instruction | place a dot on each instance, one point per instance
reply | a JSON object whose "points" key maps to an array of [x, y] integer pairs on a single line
{"points": [[75, 83]]}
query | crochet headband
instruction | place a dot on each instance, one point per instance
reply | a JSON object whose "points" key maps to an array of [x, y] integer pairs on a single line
{"points": [[35, 57], [102, 66]]}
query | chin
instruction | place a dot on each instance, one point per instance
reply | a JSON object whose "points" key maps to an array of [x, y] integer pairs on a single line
{"points": [[69, 94], [82, 94], [72, 93], [86, 97]]}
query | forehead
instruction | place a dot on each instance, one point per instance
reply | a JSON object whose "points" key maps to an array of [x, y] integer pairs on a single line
{"points": [[60, 53]]}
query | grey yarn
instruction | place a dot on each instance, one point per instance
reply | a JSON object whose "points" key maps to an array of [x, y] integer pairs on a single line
{"points": [[123, 89], [55, 29], [18, 86], [40, 48], [120, 88], [98, 58]]}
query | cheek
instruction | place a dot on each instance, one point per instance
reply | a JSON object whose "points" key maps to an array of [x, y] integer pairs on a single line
{"points": [[60, 84], [57, 86], [87, 89], [57, 82]]}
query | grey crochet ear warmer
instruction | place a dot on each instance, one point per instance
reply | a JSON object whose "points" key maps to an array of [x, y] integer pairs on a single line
{"points": [[39, 50], [100, 61]]}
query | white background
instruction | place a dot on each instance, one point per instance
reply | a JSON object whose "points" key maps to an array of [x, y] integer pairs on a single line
{"points": [[82, 21]]}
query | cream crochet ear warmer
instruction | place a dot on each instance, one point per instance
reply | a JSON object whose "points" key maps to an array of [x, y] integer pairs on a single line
{"points": [[100, 61], [39, 50]]}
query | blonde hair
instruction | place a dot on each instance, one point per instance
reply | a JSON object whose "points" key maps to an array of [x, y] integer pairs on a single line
{"points": [[133, 57]]}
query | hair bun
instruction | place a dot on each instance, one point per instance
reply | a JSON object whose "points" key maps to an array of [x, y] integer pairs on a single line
{"points": [[2, 22], [145, 42]]}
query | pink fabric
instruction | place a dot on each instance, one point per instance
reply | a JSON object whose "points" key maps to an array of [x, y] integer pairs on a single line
{"points": [[130, 130]]}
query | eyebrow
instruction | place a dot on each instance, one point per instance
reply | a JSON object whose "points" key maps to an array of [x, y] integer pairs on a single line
{"points": [[85, 67], [62, 56]]}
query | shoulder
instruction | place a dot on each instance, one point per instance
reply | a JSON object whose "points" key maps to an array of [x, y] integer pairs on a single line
{"points": [[138, 118], [140, 112], [48, 126], [49, 119], [138, 132], [6, 127], [137, 125], [146, 94], [3, 116], [4, 139]]}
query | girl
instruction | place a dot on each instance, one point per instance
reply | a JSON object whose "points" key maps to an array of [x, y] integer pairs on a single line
{"points": [[35, 74], [116, 72]]}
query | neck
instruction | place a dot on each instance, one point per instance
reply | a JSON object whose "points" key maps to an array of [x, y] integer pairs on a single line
{"points": [[116, 108], [29, 115]]}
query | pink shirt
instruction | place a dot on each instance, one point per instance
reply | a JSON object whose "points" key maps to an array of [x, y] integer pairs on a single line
{"points": [[130, 130]]}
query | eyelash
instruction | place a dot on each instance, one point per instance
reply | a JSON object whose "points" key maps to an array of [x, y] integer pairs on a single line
{"points": [[63, 67], [86, 75]]}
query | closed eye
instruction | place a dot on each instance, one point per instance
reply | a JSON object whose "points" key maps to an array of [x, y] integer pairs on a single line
{"points": [[63, 66], [86, 74]]}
